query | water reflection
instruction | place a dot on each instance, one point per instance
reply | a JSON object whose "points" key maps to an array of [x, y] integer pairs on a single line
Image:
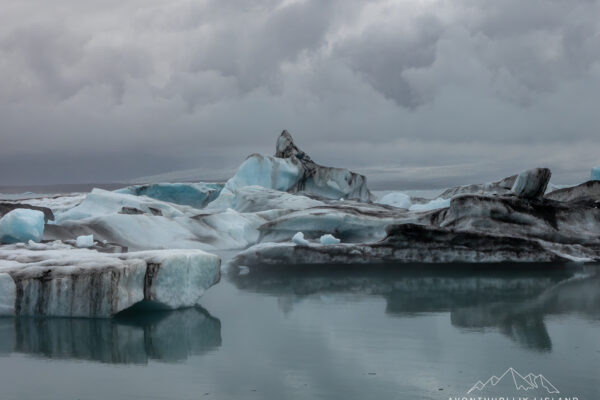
{"points": [[513, 301], [131, 338]]}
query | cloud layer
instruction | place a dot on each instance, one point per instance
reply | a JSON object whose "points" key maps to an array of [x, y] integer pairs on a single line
{"points": [[431, 89]]}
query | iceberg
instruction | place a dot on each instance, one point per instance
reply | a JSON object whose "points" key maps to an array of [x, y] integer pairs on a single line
{"points": [[329, 239], [5, 208], [22, 225], [84, 241], [57, 279], [405, 243], [327, 182], [396, 199], [595, 175], [291, 170], [196, 195]]}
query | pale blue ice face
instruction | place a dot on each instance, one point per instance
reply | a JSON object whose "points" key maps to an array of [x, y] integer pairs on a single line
{"points": [[596, 173], [22, 225], [265, 171], [191, 194]]}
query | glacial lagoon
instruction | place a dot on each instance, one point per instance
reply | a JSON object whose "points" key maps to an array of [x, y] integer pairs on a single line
{"points": [[367, 332]]}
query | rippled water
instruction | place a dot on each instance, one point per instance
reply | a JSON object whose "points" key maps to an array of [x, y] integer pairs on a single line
{"points": [[359, 333]]}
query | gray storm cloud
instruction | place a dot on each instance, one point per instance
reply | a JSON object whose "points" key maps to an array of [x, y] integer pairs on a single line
{"points": [[405, 91]]}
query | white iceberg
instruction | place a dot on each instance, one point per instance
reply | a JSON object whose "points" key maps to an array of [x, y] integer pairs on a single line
{"points": [[298, 238], [329, 239], [396, 199], [22, 225], [595, 176], [84, 241], [60, 280]]}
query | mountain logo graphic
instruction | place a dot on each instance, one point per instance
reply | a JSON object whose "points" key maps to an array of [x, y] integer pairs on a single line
{"points": [[529, 382]]}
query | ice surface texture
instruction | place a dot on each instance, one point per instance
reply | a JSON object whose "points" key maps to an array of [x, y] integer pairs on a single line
{"points": [[22, 225], [396, 199], [196, 195], [59, 280], [531, 184]]}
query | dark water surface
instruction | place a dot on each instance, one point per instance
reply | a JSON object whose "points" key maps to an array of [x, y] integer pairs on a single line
{"points": [[368, 333]]}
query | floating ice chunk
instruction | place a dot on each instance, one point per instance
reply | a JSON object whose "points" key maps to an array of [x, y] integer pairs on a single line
{"points": [[596, 173], [22, 225], [195, 195], [396, 199], [292, 170], [85, 241], [328, 182], [329, 239], [432, 205], [298, 238], [86, 283]]}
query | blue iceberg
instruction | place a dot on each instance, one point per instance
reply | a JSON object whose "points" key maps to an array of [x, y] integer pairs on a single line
{"points": [[22, 225]]}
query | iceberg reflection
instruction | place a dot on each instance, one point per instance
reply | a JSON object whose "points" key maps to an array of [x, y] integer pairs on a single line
{"points": [[131, 338], [513, 301]]}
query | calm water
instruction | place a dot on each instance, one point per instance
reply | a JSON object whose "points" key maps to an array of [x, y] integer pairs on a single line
{"points": [[323, 333]]}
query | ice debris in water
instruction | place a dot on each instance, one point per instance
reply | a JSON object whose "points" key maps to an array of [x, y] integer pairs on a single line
{"points": [[22, 225], [298, 238], [432, 205], [396, 199], [596, 173], [85, 241], [329, 239]]}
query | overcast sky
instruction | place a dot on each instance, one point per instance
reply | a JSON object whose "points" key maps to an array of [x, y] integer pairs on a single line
{"points": [[407, 90]]}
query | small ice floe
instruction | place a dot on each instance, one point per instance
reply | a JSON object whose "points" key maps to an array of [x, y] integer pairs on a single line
{"points": [[329, 239], [298, 238], [85, 241]]}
